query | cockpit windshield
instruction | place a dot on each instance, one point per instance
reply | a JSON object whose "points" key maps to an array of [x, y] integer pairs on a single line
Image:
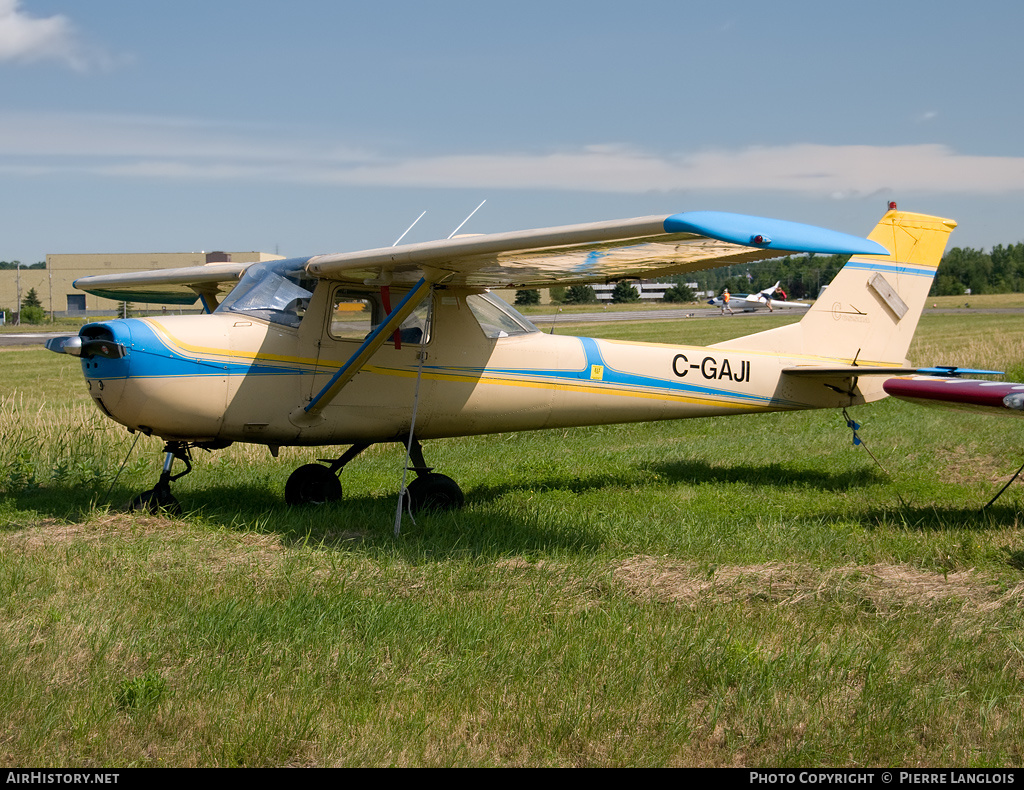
{"points": [[276, 291]]}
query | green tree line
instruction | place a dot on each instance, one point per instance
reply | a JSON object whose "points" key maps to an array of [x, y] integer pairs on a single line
{"points": [[962, 270], [997, 272], [15, 264]]}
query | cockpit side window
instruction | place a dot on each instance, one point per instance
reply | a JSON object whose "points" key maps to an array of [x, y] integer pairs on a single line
{"points": [[416, 328], [351, 316], [276, 291], [355, 314], [497, 318]]}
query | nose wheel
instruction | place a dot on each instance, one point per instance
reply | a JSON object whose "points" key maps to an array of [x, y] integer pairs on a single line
{"points": [[159, 498]]}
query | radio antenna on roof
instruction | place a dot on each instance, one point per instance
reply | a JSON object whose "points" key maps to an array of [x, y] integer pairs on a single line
{"points": [[474, 211], [408, 229]]}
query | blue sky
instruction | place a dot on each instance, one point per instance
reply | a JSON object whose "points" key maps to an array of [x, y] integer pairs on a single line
{"points": [[324, 126]]}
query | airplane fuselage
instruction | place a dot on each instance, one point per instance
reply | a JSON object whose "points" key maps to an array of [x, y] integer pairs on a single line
{"points": [[232, 377]]}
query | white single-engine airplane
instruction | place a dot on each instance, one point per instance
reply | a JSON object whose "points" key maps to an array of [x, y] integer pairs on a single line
{"points": [[750, 302], [404, 343]]}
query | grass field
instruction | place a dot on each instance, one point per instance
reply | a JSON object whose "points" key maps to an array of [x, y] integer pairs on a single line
{"points": [[722, 592]]}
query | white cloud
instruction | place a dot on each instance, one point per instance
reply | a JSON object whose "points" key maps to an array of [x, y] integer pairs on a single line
{"points": [[173, 148], [800, 168], [27, 38], [83, 137]]}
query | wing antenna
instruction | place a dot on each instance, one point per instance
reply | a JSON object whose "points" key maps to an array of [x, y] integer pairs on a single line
{"points": [[467, 219], [408, 229]]}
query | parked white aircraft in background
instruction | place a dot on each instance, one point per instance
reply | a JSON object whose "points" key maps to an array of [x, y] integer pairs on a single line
{"points": [[759, 301]]}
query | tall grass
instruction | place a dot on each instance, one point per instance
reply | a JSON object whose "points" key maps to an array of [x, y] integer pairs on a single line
{"points": [[753, 591]]}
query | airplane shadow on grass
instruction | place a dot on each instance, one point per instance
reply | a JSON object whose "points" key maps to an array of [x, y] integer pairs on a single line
{"points": [[774, 474], [691, 472], [924, 518], [368, 519], [928, 518], [247, 501]]}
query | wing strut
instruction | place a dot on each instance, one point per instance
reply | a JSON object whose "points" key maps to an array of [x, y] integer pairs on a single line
{"points": [[306, 415], [208, 296]]}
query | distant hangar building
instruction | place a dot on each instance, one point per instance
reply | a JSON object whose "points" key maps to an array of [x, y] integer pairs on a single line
{"points": [[54, 285]]}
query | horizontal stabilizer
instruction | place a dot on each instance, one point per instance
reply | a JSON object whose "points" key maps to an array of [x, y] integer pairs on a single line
{"points": [[952, 370], [845, 371]]}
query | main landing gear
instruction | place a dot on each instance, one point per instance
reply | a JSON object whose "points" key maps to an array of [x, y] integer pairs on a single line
{"points": [[315, 484], [311, 484]]}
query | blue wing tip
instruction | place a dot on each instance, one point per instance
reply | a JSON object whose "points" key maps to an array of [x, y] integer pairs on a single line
{"points": [[952, 371], [765, 233]]}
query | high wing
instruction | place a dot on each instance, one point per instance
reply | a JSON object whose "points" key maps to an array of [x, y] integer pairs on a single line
{"points": [[644, 247], [166, 286]]}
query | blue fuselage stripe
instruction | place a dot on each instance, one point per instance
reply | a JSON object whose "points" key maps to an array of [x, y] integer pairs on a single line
{"points": [[151, 357]]}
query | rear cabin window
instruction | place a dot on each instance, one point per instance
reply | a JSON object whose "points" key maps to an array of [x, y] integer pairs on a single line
{"points": [[497, 318]]}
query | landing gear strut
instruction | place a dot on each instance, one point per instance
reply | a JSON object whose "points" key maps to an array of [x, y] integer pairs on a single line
{"points": [[159, 497]]}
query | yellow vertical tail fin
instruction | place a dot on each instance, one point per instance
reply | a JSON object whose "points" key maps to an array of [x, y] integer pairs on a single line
{"points": [[869, 312]]}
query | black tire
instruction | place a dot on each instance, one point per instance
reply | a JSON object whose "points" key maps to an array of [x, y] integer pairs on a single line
{"points": [[434, 492], [154, 501], [312, 484]]}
